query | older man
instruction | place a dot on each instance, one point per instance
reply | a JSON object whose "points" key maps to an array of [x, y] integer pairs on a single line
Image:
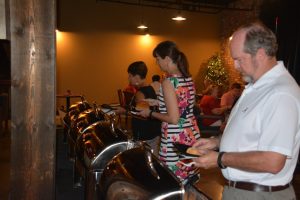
{"points": [[260, 144]]}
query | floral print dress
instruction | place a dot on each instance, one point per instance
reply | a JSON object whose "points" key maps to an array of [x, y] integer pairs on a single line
{"points": [[185, 132]]}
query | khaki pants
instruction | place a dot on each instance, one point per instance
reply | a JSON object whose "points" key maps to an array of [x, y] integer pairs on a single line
{"points": [[231, 193]]}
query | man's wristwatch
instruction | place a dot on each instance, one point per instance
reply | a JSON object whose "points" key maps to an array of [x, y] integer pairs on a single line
{"points": [[219, 161]]}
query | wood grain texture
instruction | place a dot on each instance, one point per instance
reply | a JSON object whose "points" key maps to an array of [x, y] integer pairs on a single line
{"points": [[32, 27]]}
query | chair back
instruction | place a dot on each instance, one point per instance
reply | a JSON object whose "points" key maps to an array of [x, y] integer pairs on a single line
{"points": [[121, 97], [128, 98]]}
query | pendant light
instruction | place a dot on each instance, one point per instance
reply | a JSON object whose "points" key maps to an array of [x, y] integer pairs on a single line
{"points": [[142, 24], [178, 17]]}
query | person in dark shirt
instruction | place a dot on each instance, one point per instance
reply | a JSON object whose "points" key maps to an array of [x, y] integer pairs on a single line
{"points": [[144, 129]]}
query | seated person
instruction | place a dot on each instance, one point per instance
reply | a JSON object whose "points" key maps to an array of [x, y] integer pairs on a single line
{"points": [[210, 105], [207, 86], [206, 90], [229, 98]]}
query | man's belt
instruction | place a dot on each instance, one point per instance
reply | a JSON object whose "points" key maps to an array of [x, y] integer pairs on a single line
{"points": [[256, 187]]}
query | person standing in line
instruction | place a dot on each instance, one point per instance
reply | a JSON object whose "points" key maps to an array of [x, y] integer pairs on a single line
{"points": [[259, 148], [146, 129], [176, 103], [156, 83]]}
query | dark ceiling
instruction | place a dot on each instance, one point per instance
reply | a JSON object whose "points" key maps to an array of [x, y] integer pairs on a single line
{"points": [[205, 6]]}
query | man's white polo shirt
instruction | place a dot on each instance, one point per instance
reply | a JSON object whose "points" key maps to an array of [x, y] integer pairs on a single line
{"points": [[265, 118]]}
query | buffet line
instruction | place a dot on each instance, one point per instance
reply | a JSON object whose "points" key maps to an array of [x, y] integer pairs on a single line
{"points": [[109, 164]]}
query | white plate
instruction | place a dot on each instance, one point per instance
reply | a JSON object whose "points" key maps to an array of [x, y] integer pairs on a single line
{"points": [[184, 156], [134, 112], [188, 164]]}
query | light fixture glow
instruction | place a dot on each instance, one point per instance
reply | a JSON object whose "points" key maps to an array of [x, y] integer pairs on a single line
{"points": [[178, 18], [144, 31], [142, 26], [146, 41]]}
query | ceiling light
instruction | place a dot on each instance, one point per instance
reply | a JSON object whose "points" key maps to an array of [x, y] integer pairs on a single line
{"points": [[144, 31], [178, 18], [142, 26]]}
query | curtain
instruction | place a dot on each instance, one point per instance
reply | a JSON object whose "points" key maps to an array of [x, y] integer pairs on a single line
{"points": [[282, 17]]}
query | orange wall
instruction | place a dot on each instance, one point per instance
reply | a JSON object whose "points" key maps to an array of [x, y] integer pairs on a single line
{"points": [[97, 42]]}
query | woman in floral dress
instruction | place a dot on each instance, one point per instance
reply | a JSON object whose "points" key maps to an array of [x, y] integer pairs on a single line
{"points": [[176, 101]]}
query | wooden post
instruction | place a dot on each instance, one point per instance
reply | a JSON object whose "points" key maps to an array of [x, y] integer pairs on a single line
{"points": [[2, 20], [32, 28]]}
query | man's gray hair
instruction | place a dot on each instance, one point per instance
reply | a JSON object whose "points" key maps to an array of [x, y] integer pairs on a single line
{"points": [[259, 36]]}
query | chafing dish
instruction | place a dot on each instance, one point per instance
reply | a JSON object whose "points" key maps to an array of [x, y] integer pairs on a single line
{"points": [[138, 174], [69, 120], [95, 147]]}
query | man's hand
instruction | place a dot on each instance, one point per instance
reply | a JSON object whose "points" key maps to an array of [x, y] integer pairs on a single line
{"points": [[207, 143], [207, 160]]}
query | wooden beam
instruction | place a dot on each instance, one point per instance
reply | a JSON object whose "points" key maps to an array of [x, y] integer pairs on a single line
{"points": [[32, 27], [2, 20]]}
